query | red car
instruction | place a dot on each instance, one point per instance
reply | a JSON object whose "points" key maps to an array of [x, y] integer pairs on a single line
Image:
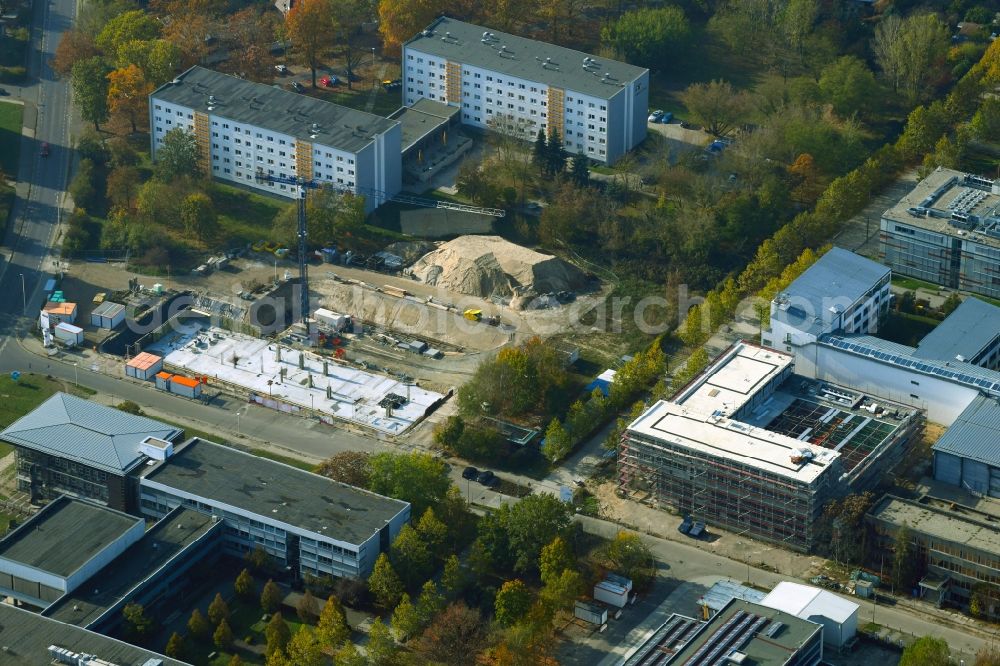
{"points": [[45, 149], [329, 81]]}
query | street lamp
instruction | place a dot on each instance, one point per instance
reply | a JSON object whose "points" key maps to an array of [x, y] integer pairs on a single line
{"points": [[76, 373], [24, 297], [374, 77]]}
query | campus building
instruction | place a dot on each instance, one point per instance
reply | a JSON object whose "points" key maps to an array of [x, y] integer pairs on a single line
{"points": [[970, 334], [306, 522], [71, 446], [946, 231], [244, 127], [753, 448], [597, 105], [968, 454]]}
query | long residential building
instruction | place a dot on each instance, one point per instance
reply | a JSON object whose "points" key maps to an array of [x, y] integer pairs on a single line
{"points": [[243, 128], [946, 231], [598, 106]]}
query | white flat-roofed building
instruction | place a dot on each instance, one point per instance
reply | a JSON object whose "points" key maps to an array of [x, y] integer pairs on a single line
{"points": [[597, 105], [839, 616], [243, 127]]}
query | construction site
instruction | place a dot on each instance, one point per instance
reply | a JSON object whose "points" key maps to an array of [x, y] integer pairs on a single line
{"points": [[755, 449]]}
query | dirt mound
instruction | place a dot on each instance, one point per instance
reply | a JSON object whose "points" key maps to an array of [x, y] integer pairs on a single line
{"points": [[485, 266], [410, 251]]}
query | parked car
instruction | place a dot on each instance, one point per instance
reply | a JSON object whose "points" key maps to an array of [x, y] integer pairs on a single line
{"points": [[470, 473], [655, 116], [45, 149], [298, 87], [666, 117], [487, 478], [329, 81], [281, 69], [3, 92]]}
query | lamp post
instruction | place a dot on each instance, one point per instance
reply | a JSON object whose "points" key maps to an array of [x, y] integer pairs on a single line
{"points": [[76, 373], [374, 76], [24, 297]]}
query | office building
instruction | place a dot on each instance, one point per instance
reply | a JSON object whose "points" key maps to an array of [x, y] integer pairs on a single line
{"points": [[597, 105], [970, 334], [946, 231], [968, 454], [750, 447], [958, 544], [71, 446], [244, 127], [306, 522]]}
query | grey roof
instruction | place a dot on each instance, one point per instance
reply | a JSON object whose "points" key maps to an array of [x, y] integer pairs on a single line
{"points": [[94, 435], [174, 533], [276, 491], [421, 118], [971, 328], [273, 108], [524, 58], [838, 278], [63, 536], [982, 379], [726, 590], [962, 526], [26, 638], [107, 309], [975, 433]]}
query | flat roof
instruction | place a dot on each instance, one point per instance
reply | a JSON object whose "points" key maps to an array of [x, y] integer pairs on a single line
{"points": [[721, 437], [91, 434], [954, 526], [734, 378], [668, 638], [184, 381], [276, 491], [975, 434], [932, 203], [726, 589], [108, 309], [144, 361], [743, 626], [554, 66], [837, 280], [59, 308], [422, 118], [971, 328], [806, 601], [65, 535], [26, 637], [161, 543], [273, 108]]}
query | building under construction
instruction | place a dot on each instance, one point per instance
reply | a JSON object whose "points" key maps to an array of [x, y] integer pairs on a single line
{"points": [[752, 448]]}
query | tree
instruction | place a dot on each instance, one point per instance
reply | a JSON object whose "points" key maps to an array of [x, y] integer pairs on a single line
{"points": [[348, 15], [381, 648], [455, 637], [988, 656], [332, 629], [307, 609], [926, 651], [330, 215], [137, 622], [417, 478], [350, 467], [555, 154], [716, 105], [453, 577], [253, 33], [432, 531], [304, 650], [348, 655], [512, 602], [83, 187], [75, 45], [557, 441], [384, 583], [905, 567], [277, 634], [539, 152], [405, 619], [629, 555], [218, 610], [399, 20], [244, 586], [90, 89], [223, 636], [555, 558], [198, 215], [270, 597], [175, 646], [911, 52], [950, 304], [430, 603], [986, 122], [308, 24], [178, 156], [559, 593], [236, 660], [579, 170], [123, 186], [410, 557], [532, 523], [848, 85], [191, 22], [649, 37], [134, 25], [198, 625]]}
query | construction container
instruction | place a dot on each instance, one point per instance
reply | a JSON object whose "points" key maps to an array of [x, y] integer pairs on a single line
{"points": [[418, 346], [590, 613], [107, 315], [331, 319], [60, 312], [68, 333], [50, 286], [185, 386], [619, 580], [144, 366], [163, 380], [611, 594]]}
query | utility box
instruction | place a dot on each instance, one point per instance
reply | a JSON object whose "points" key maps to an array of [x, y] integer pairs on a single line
{"points": [[591, 613], [611, 594]]}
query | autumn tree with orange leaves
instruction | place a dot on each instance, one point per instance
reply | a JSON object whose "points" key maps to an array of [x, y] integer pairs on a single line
{"points": [[74, 46], [128, 92], [309, 25]]}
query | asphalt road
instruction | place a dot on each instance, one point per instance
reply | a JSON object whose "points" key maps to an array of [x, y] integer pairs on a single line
{"points": [[42, 180]]}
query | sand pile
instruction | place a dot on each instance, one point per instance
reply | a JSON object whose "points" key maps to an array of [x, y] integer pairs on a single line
{"points": [[485, 266]]}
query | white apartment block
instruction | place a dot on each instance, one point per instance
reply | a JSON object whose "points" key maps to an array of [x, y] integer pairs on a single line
{"points": [[243, 127], [598, 106]]}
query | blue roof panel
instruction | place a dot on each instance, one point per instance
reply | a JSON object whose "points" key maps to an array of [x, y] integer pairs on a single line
{"points": [[971, 328], [975, 433]]}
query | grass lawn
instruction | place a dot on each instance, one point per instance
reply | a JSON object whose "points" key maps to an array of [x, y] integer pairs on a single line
{"points": [[385, 102], [244, 216], [906, 329], [10, 137], [913, 283], [20, 397]]}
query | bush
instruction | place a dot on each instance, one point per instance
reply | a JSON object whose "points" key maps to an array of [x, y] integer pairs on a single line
{"points": [[13, 74]]}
